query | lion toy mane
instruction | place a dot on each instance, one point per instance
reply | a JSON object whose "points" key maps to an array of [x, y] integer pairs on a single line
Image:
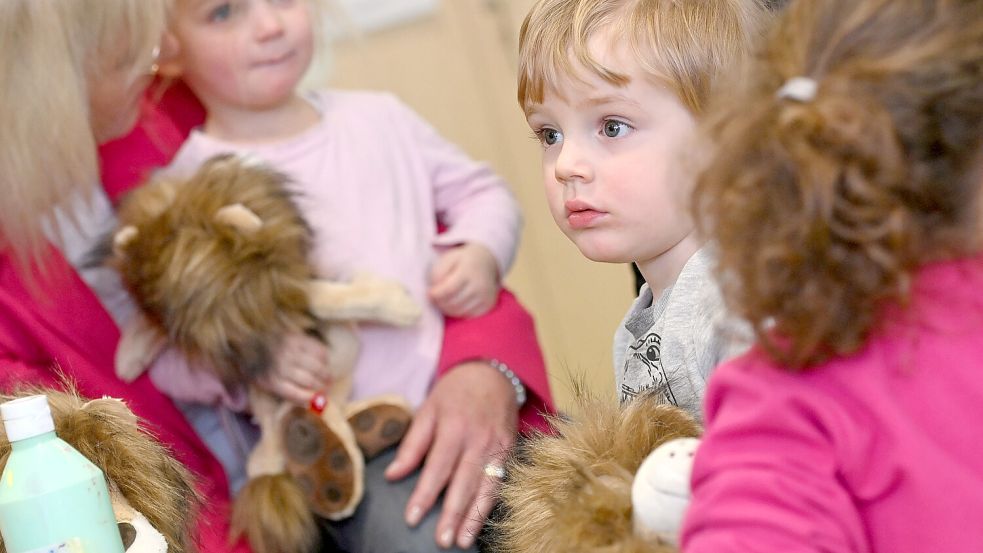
{"points": [[154, 497], [219, 265], [608, 479]]}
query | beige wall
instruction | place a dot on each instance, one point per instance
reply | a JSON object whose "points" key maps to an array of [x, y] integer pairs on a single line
{"points": [[457, 69]]}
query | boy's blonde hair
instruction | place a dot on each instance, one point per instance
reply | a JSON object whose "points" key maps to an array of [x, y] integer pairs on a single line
{"points": [[49, 49], [682, 44]]}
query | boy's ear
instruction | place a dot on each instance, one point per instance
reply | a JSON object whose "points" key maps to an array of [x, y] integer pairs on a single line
{"points": [[169, 62]]}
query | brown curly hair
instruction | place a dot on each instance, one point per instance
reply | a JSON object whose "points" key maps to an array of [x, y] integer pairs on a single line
{"points": [[823, 208]]}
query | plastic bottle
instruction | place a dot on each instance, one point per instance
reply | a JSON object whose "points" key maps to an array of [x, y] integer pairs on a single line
{"points": [[52, 499]]}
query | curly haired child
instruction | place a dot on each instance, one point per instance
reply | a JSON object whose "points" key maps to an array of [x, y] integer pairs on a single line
{"points": [[844, 193]]}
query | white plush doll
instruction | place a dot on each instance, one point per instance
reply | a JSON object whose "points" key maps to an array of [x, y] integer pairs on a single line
{"points": [[661, 490], [139, 536]]}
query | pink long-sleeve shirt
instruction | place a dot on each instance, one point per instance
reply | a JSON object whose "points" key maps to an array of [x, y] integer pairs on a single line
{"points": [[507, 332], [374, 180], [880, 451]]}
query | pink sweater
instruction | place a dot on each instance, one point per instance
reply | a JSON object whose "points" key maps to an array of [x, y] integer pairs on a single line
{"points": [[374, 180], [506, 332], [881, 451]]}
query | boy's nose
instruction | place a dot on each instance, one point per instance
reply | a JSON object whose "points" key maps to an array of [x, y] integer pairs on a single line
{"points": [[573, 164], [268, 22]]}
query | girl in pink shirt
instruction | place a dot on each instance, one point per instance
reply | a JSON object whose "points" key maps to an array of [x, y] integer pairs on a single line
{"points": [[376, 183], [844, 196]]}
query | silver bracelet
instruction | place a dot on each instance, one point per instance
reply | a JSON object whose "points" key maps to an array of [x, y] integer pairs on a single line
{"points": [[520, 389]]}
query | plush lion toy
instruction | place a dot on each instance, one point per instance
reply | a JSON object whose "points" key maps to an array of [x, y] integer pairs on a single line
{"points": [[611, 479], [154, 497], [219, 265]]}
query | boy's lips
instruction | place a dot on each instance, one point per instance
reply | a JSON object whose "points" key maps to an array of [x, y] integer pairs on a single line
{"points": [[581, 215]]}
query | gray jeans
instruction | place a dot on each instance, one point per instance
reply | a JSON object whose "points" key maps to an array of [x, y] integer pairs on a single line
{"points": [[377, 525]]}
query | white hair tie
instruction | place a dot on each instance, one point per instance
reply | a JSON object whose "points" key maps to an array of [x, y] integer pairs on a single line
{"points": [[800, 89]]}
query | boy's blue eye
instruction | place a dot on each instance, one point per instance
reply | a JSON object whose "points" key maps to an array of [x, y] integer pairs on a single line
{"points": [[550, 136], [614, 128]]}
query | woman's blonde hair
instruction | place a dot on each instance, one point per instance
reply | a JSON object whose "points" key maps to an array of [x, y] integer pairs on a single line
{"points": [[49, 51], [823, 203], [682, 44]]}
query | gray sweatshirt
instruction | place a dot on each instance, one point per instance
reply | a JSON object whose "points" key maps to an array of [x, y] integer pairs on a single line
{"points": [[671, 345]]}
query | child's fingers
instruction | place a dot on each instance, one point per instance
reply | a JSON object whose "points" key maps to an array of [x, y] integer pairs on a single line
{"points": [[316, 368], [443, 266], [458, 304], [305, 354], [306, 379], [474, 300], [287, 390], [447, 288]]}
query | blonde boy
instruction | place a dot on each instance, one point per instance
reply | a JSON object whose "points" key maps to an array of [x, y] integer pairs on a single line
{"points": [[612, 89]]}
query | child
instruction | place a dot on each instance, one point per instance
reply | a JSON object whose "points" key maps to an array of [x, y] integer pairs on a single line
{"points": [[373, 180], [612, 89], [845, 198]]}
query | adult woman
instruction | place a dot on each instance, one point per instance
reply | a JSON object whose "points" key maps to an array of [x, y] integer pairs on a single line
{"points": [[74, 73]]}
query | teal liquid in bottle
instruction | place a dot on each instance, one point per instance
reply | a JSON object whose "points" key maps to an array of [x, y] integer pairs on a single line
{"points": [[52, 499]]}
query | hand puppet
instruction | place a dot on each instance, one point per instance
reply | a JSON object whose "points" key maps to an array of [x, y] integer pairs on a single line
{"points": [[153, 495], [609, 478]]}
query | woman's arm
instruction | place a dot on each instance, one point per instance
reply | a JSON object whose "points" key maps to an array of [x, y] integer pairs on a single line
{"points": [[507, 333]]}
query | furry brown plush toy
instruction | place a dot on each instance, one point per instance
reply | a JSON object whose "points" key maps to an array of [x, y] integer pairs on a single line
{"points": [[153, 495], [219, 266], [572, 490]]}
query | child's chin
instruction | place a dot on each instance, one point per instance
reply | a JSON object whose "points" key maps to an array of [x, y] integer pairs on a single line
{"points": [[601, 255]]}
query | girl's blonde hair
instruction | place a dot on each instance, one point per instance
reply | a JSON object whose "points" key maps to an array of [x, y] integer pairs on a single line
{"points": [[824, 205], [49, 51], [682, 44]]}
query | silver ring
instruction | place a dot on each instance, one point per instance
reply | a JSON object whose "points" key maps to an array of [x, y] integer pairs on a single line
{"points": [[493, 470]]}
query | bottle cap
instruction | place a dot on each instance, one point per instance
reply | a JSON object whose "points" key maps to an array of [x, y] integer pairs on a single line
{"points": [[26, 417]]}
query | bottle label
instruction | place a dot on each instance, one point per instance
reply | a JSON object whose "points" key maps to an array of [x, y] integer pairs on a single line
{"points": [[73, 545]]}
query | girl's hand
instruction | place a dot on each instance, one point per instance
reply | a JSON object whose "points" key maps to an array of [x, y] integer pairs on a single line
{"points": [[300, 369], [464, 281], [468, 421]]}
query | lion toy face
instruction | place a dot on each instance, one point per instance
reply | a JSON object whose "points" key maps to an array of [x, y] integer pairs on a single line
{"points": [[219, 262]]}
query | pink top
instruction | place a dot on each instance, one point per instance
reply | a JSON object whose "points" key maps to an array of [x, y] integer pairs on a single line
{"points": [[881, 451], [507, 332], [374, 180]]}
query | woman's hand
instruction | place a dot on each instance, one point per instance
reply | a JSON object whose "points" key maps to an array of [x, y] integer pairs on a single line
{"points": [[300, 369], [468, 421]]}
